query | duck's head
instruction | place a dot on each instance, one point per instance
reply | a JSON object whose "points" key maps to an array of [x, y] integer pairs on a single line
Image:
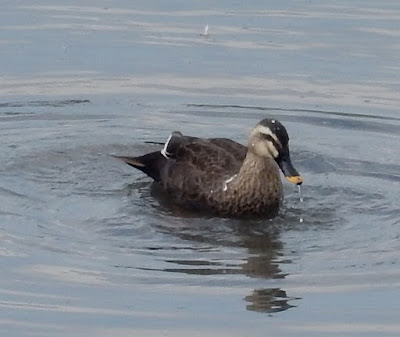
{"points": [[269, 139]]}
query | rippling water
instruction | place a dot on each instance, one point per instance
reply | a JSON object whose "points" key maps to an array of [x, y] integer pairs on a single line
{"points": [[90, 247]]}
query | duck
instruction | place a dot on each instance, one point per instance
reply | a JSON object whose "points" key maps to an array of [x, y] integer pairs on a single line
{"points": [[221, 176]]}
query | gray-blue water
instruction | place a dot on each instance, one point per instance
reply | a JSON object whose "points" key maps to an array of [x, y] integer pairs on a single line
{"points": [[87, 246]]}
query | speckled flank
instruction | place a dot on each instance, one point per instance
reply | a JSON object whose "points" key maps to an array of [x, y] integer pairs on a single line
{"points": [[256, 190]]}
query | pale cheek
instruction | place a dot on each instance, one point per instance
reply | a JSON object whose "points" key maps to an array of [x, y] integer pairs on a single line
{"points": [[262, 150], [272, 149]]}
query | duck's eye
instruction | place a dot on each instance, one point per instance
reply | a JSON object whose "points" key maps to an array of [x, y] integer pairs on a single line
{"points": [[266, 136], [271, 144], [272, 140]]}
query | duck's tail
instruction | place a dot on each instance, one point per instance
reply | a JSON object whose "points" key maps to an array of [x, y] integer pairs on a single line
{"points": [[151, 163]]}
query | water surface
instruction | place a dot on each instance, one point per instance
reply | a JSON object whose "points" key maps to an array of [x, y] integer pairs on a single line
{"points": [[89, 247]]}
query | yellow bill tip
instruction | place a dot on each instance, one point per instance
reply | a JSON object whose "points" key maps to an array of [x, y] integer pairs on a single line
{"points": [[295, 179]]}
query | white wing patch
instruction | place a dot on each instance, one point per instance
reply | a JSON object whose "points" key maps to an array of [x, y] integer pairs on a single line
{"points": [[227, 181], [164, 151]]}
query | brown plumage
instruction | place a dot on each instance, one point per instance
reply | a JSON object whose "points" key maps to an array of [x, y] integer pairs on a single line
{"points": [[221, 176]]}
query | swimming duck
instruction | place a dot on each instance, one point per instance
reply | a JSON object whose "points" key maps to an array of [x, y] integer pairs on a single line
{"points": [[221, 176]]}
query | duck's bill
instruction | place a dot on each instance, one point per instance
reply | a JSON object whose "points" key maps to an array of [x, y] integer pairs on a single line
{"points": [[298, 180], [288, 170]]}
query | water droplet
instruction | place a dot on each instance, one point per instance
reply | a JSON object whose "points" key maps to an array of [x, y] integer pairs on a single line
{"points": [[205, 33], [300, 196]]}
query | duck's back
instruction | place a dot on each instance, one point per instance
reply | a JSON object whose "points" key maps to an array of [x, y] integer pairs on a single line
{"points": [[200, 166]]}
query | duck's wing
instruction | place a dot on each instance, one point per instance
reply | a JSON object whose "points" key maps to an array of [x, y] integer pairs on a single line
{"points": [[212, 156], [184, 160], [199, 166], [236, 149]]}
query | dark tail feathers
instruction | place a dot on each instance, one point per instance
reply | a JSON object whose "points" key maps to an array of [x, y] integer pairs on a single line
{"points": [[150, 163]]}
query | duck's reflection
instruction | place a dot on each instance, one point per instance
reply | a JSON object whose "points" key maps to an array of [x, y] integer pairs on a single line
{"points": [[262, 257], [223, 247], [268, 300], [264, 250]]}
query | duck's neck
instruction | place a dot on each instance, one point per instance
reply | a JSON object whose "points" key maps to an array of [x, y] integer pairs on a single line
{"points": [[255, 189], [257, 172], [256, 165]]}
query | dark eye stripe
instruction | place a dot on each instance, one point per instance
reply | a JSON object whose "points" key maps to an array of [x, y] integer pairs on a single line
{"points": [[276, 144]]}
